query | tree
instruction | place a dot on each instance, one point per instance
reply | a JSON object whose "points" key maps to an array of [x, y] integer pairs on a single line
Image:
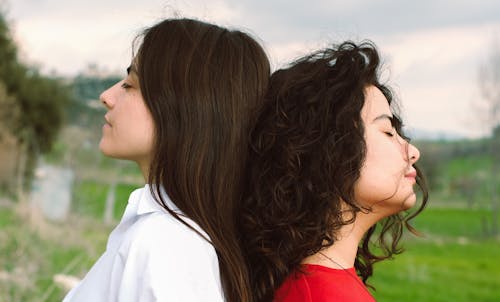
{"points": [[489, 85], [38, 103]]}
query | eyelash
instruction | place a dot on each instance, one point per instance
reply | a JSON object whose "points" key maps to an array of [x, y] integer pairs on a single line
{"points": [[390, 134], [126, 85]]}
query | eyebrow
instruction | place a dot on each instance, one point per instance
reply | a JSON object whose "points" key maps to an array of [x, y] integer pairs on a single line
{"points": [[385, 116]]}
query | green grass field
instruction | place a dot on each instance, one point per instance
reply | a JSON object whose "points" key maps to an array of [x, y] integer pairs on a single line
{"points": [[441, 271], [89, 199], [455, 261], [33, 252]]}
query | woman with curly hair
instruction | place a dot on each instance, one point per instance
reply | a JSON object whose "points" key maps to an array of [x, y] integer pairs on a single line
{"points": [[330, 171]]}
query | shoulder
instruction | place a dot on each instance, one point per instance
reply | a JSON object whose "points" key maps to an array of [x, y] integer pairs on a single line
{"points": [[319, 283], [161, 233], [294, 289], [169, 260], [156, 229]]}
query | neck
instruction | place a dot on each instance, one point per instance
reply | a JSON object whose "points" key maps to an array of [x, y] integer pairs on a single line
{"points": [[144, 167], [345, 248]]}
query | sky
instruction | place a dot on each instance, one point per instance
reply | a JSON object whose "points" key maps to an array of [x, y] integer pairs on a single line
{"points": [[432, 49]]}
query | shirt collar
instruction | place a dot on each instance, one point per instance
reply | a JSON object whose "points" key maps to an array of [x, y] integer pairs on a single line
{"points": [[148, 204]]}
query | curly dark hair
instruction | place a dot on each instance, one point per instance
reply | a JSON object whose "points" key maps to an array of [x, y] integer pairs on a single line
{"points": [[307, 150]]}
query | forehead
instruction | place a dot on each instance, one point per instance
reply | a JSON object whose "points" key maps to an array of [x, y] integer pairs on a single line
{"points": [[375, 105]]}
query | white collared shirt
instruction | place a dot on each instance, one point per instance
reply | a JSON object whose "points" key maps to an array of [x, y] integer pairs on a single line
{"points": [[151, 256]]}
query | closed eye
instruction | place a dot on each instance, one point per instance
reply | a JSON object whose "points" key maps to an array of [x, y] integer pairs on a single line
{"points": [[390, 134], [125, 85]]}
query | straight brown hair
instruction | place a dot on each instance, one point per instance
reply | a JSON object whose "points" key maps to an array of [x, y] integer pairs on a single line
{"points": [[203, 84]]}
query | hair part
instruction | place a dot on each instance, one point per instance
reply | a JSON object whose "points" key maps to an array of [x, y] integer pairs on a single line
{"points": [[203, 84], [306, 154]]}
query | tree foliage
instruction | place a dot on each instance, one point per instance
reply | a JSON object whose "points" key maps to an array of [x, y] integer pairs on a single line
{"points": [[34, 108]]}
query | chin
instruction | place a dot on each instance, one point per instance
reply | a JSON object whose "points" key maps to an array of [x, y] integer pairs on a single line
{"points": [[106, 150], [102, 147], [409, 202]]}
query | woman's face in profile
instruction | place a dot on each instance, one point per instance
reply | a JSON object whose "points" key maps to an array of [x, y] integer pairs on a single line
{"points": [[129, 129], [387, 176]]}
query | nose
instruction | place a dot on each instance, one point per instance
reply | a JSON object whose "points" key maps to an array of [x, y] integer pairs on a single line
{"points": [[106, 98], [413, 154]]}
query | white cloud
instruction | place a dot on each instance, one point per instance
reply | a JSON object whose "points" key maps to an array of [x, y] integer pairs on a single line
{"points": [[67, 35], [433, 61], [436, 74], [438, 48]]}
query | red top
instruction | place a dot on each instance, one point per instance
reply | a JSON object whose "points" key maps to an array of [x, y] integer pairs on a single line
{"points": [[319, 283]]}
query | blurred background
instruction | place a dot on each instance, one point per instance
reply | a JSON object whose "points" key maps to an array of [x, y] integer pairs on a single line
{"points": [[60, 198]]}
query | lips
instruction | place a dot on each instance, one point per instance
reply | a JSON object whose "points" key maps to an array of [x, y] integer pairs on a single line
{"points": [[411, 174], [106, 119]]}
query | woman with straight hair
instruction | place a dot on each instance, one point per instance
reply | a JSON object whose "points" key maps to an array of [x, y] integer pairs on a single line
{"points": [[330, 179], [183, 114]]}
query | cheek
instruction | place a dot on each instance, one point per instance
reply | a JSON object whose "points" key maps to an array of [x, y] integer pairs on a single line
{"points": [[383, 158], [148, 137], [368, 186], [373, 188], [142, 130], [132, 134], [378, 178], [375, 164]]}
